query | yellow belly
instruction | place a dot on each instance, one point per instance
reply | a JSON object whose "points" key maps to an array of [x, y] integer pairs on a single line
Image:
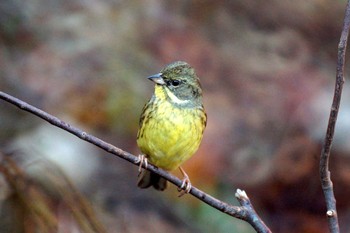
{"points": [[169, 135]]}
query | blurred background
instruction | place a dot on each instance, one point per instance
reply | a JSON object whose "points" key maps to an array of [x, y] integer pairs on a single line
{"points": [[267, 69]]}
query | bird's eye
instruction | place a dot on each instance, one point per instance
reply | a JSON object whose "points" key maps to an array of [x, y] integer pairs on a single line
{"points": [[175, 82]]}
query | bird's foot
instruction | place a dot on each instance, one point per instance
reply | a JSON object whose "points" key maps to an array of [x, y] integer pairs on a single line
{"points": [[143, 161], [186, 184]]}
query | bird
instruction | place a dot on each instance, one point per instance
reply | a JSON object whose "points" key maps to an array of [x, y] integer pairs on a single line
{"points": [[171, 125]]}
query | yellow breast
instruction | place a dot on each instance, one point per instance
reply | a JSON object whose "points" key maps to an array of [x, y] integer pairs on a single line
{"points": [[169, 135]]}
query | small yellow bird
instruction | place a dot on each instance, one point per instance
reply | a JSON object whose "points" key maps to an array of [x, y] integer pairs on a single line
{"points": [[171, 124]]}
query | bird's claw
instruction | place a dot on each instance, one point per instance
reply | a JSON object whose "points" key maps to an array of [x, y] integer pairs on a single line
{"points": [[185, 186], [143, 161]]}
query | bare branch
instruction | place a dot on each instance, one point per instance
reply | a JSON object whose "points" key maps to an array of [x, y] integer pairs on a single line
{"points": [[245, 212], [325, 174]]}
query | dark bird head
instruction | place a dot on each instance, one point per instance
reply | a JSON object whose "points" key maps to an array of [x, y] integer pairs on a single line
{"points": [[180, 84]]}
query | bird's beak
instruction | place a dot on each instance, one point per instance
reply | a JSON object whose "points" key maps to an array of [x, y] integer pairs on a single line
{"points": [[157, 78]]}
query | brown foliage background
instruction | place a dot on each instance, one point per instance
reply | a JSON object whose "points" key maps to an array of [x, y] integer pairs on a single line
{"points": [[267, 69]]}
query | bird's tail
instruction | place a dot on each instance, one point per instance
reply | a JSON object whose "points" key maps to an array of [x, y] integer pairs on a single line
{"points": [[148, 179]]}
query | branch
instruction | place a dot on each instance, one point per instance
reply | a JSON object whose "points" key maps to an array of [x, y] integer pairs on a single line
{"points": [[245, 212], [325, 174]]}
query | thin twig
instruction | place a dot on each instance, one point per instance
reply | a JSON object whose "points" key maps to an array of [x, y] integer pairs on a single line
{"points": [[325, 174], [245, 212]]}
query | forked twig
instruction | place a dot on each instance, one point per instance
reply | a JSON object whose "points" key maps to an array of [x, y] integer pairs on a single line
{"points": [[245, 212]]}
